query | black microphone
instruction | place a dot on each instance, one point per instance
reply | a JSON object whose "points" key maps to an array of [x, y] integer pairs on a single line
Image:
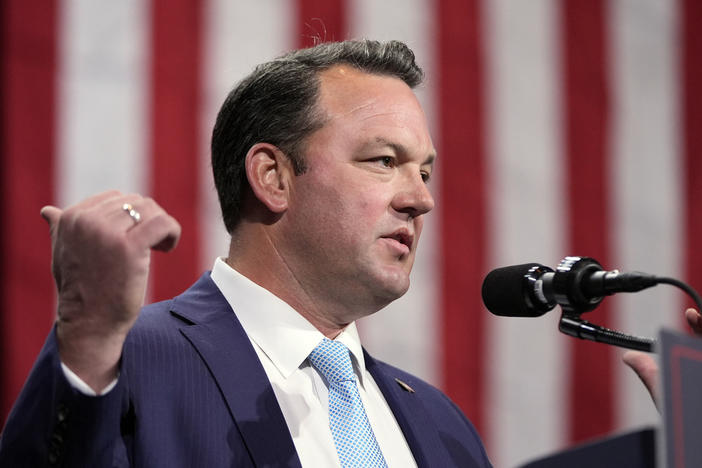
{"points": [[578, 285]]}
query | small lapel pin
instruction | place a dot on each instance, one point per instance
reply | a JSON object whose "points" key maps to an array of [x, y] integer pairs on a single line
{"points": [[404, 386]]}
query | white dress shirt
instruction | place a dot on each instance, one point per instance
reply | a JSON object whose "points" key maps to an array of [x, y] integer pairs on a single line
{"points": [[283, 339]]}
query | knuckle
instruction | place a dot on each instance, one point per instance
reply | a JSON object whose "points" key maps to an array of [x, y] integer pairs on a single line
{"points": [[149, 204], [110, 193]]}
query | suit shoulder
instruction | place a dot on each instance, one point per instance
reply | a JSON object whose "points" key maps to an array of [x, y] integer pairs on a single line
{"points": [[455, 429], [156, 317], [192, 305], [159, 324], [435, 400]]}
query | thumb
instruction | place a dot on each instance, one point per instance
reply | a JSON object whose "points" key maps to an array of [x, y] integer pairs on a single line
{"points": [[646, 369], [694, 319], [51, 214]]}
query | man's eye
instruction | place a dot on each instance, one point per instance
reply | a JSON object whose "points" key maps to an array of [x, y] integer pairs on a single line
{"points": [[426, 177], [387, 161]]}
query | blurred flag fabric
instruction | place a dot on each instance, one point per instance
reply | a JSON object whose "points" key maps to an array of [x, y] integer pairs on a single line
{"points": [[563, 128]]}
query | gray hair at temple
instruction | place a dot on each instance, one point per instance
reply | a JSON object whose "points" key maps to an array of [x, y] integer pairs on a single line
{"points": [[277, 104]]}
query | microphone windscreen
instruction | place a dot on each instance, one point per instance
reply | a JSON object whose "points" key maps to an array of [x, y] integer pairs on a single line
{"points": [[504, 291]]}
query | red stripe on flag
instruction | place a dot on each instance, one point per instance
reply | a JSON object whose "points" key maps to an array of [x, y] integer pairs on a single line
{"points": [[691, 103], [29, 42], [463, 201], [175, 137], [320, 21], [587, 142]]}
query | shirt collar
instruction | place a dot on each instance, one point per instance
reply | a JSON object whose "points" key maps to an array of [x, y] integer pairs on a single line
{"points": [[284, 336]]}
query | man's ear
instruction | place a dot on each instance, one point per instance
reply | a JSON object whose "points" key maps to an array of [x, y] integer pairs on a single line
{"points": [[268, 170]]}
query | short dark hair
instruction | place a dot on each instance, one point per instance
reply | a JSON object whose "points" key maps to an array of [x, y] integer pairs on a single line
{"points": [[277, 104]]}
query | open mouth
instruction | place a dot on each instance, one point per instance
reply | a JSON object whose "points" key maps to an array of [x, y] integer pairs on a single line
{"points": [[402, 236]]}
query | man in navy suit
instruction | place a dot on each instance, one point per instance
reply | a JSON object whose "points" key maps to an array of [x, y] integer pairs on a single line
{"points": [[321, 160]]}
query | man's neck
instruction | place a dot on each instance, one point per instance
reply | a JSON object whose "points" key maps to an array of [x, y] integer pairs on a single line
{"points": [[264, 265]]}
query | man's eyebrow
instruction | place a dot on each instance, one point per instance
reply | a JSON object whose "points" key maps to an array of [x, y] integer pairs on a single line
{"points": [[430, 160], [400, 149]]}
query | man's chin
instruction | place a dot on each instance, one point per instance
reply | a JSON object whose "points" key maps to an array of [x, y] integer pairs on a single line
{"points": [[394, 286]]}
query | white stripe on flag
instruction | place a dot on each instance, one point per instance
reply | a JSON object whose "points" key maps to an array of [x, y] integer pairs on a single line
{"points": [[525, 356], [102, 112], [645, 178], [238, 36]]}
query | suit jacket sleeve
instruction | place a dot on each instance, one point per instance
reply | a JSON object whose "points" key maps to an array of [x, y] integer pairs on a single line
{"points": [[52, 424]]}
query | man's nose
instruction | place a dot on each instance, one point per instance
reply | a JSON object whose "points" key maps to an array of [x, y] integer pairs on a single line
{"points": [[413, 197]]}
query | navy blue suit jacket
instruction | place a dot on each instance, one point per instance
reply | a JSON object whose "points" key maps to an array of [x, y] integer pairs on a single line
{"points": [[192, 393]]}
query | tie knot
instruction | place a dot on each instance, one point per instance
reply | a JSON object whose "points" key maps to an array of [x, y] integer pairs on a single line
{"points": [[332, 360]]}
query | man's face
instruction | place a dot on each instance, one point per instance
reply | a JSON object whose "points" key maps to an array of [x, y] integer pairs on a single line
{"points": [[356, 215]]}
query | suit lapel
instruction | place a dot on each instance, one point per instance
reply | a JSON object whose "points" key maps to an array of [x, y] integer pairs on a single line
{"points": [[225, 348], [422, 436]]}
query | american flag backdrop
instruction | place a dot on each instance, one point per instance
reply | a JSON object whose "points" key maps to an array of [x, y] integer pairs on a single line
{"points": [[563, 128]]}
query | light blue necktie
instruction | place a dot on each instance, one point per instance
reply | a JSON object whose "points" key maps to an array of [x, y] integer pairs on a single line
{"points": [[353, 435]]}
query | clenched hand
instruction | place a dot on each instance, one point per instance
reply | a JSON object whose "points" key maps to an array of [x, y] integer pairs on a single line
{"points": [[100, 261]]}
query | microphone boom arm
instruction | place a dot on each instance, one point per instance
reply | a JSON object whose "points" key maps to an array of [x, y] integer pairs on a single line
{"points": [[574, 326]]}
